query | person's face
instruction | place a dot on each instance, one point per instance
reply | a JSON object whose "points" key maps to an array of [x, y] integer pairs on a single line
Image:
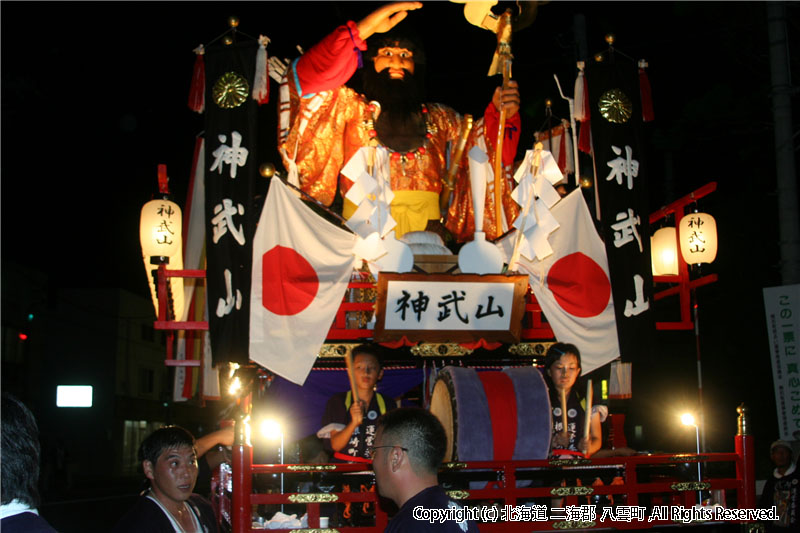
{"points": [[397, 60], [173, 476], [781, 457], [367, 371], [565, 371], [381, 458]]}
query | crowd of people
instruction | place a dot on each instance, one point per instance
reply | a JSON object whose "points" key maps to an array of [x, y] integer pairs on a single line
{"points": [[405, 447]]}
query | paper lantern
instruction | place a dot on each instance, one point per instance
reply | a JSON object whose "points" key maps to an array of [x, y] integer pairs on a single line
{"points": [[698, 238], [160, 228], [160, 233], [664, 252]]}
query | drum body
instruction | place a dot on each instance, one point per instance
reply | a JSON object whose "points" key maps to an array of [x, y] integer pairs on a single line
{"points": [[493, 415]]}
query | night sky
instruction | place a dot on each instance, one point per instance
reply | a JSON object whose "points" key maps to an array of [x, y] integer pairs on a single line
{"points": [[94, 98]]}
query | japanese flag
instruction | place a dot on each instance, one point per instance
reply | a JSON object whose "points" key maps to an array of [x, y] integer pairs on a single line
{"points": [[572, 285], [301, 267]]}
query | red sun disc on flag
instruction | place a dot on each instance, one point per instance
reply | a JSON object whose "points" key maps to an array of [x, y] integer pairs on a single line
{"points": [[580, 285], [289, 282]]}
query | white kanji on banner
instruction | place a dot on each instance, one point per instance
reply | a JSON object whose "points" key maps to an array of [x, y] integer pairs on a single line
{"points": [[301, 267]]}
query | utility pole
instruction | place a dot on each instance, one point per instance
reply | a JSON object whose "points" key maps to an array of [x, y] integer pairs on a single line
{"points": [[786, 175]]}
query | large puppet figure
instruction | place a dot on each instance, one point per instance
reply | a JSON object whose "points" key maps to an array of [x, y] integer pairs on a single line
{"points": [[329, 122]]}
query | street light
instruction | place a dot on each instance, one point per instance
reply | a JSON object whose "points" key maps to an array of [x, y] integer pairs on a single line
{"points": [[697, 237], [271, 429], [687, 419]]}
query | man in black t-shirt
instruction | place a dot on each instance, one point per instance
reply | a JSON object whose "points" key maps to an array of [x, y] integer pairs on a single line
{"points": [[409, 448], [782, 489]]}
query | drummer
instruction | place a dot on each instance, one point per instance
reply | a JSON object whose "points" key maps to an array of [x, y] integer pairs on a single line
{"points": [[562, 370], [349, 426]]}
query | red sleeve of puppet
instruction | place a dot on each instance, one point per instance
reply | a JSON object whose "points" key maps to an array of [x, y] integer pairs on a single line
{"points": [[331, 62], [491, 119]]}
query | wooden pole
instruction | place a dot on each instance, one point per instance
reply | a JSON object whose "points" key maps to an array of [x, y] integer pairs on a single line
{"points": [[564, 411], [498, 156], [351, 375], [529, 201], [587, 426]]}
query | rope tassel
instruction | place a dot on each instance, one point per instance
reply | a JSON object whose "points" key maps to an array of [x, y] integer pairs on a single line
{"points": [[261, 81], [646, 93], [582, 111], [197, 90], [581, 98]]}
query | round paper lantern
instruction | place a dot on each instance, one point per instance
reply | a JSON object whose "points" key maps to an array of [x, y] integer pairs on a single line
{"points": [[698, 238], [664, 252], [160, 228]]}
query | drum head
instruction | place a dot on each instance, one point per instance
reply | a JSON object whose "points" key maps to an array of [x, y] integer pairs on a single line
{"points": [[534, 420], [460, 402], [461, 405], [442, 408]]}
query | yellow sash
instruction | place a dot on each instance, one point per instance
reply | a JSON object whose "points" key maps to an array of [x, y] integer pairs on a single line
{"points": [[410, 209]]}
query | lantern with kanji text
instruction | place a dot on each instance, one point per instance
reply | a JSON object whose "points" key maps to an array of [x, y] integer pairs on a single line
{"points": [[698, 238], [160, 234]]}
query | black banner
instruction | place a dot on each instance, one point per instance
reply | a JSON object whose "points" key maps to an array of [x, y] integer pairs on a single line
{"points": [[621, 181], [231, 183]]}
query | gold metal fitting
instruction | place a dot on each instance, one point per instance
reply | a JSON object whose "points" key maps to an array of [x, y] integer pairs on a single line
{"points": [[233, 21], [742, 420], [610, 38], [267, 170]]}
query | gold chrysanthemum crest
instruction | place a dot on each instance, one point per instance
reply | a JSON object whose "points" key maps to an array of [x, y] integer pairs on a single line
{"points": [[230, 90], [615, 106]]}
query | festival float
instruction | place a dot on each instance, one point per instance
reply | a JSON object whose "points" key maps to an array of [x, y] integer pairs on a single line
{"points": [[273, 295]]}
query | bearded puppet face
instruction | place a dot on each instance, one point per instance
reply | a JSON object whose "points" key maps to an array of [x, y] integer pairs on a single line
{"points": [[396, 59], [396, 56], [396, 82]]}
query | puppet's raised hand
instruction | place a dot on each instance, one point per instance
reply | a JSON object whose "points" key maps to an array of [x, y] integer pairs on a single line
{"points": [[385, 18]]}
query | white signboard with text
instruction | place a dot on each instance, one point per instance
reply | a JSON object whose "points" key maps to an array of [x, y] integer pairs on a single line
{"points": [[451, 308], [782, 306]]}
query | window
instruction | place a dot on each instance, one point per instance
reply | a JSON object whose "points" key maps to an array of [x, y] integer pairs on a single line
{"points": [[148, 333], [134, 433], [146, 381]]}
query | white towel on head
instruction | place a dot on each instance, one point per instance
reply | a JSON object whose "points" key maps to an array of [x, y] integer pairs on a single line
{"points": [[325, 432]]}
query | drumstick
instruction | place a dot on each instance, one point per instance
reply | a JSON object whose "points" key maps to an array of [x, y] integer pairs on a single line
{"points": [[564, 411], [588, 423], [351, 376]]}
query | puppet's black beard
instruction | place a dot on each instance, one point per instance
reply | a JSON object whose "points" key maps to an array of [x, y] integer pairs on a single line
{"points": [[400, 125]]}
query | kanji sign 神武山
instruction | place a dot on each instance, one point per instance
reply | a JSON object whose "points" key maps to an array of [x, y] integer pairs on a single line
{"points": [[450, 308]]}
